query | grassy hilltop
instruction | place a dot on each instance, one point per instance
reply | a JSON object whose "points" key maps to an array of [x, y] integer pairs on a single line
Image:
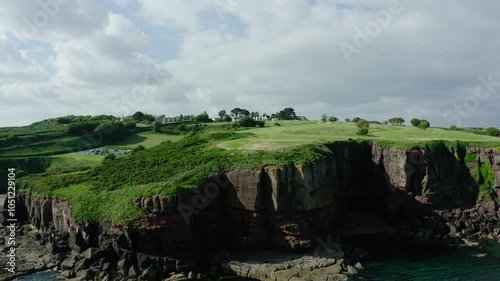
{"points": [[102, 188]]}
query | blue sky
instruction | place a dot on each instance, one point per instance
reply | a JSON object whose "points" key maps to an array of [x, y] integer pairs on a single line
{"points": [[423, 59]]}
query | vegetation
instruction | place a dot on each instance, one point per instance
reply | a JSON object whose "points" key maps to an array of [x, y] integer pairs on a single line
{"points": [[102, 188], [396, 121], [423, 124], [415, 122], [333, 119], [492, 131]]}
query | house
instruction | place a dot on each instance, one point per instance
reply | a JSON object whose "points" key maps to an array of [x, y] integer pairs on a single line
{"points": [[169, 120]]}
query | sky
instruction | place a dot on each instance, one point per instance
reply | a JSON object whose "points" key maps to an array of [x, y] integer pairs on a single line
{"points": [[377, 59]]}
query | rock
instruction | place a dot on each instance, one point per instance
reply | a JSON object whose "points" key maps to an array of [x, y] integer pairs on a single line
{"points": [[132, 272], [68, 274], [68, 263], [351, 270], [177, 277], [358, 266], [85, 274], [149, 274]]}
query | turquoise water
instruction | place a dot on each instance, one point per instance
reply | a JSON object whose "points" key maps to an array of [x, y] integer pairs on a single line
{"points": [[42, 276], [463, 264]]}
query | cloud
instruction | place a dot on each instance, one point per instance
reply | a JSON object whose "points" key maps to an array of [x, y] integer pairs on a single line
{"points": [[260, 55]]}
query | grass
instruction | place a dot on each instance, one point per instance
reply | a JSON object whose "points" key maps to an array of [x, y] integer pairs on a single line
{"points": [[146, 139], [295, 133], [104, 190]]}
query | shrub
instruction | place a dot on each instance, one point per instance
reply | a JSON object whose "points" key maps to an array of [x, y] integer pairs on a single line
{"points": [[424, 124], [247, 121], [261, 123], [140, 147], [333, 119], [362, 131], [453, 128], [355, 119], [347, 120], [362, 123], [130, 125], [277, 124], [110, 157], [323, 118], [492, 131]]}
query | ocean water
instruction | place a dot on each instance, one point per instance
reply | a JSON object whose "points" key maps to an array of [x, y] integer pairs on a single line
{"points": [[445, 264], [42, 276]]}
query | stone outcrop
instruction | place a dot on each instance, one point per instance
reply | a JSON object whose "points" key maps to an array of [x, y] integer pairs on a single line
{"points": [[428, 194]]}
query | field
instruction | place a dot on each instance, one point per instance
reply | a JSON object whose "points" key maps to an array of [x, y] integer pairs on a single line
{"points": [[291, 133], [146, 139]]}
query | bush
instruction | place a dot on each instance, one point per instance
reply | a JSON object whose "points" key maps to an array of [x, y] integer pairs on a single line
{"points": [[453, 128], [247, 121], [362, 123], [323, 118], [362, 131], [261, 123], [424, 124], [347, 120], [277, 124], [110, 157], [130, 125], [492, 131], [333, 119], [355, 119], [140, 147]]}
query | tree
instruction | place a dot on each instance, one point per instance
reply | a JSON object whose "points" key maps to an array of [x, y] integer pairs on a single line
{"points": [[333, 119], [424, 124], [156, 127], [347, 120], [222, 114], [453, 128], [202, 118], [355, 119], [255, 115], [396, 121], [138, 116], [362, 123], [385, 122], [492, 131], [324, 117], [415, 122], [287, 113]]}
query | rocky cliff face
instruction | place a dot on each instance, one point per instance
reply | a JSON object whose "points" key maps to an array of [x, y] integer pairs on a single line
{"points": [[284, 207]]}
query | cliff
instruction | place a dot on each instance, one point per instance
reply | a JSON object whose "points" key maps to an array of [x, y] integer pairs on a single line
{"points": [[425, 192]]}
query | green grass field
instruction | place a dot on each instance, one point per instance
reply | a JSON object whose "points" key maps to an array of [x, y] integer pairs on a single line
{"points": [[292, 133]]}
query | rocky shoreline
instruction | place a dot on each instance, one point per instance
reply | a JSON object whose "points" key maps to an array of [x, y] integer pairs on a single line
{"points": [[38, 251]]}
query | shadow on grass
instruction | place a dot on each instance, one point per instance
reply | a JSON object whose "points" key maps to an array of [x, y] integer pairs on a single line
{"points": [[131, 140]]}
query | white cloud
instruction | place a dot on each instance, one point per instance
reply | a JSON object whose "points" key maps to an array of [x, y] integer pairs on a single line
{"points": [[260, 55]]}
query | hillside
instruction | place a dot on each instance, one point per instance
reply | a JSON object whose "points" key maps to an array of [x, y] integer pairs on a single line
{"points": [[105, 192]]}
